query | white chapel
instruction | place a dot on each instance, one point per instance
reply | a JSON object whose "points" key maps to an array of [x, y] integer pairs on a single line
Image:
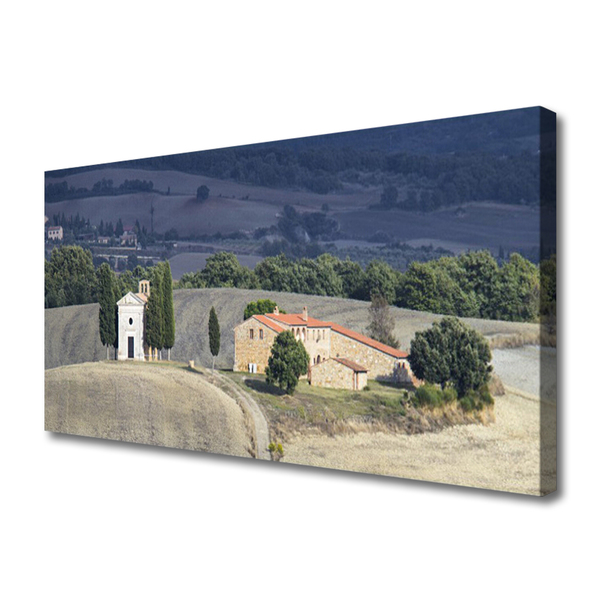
{"points": [[131, 311]]}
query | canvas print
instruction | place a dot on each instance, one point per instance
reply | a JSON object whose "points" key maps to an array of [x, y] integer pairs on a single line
{"points": [[379, 301]]}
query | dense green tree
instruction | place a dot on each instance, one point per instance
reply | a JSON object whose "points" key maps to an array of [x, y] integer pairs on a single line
{"points": [[214, 335], [222, 269], [260, 307], [192, 280], [154, 313], [168, 309], [436, 287], [107, 301], [381, 280], [247, 279], [287, 362], [69, 277], [274, 273], [381, 324], [480, 274], [354, 280], [451, 353], [516, 293]]}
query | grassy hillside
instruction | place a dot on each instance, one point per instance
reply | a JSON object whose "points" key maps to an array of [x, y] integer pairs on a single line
{"points": [[71, 336], [72, 332], [144, 403]]}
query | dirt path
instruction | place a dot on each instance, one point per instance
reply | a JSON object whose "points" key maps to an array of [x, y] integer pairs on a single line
{"points": [[252, 408]]}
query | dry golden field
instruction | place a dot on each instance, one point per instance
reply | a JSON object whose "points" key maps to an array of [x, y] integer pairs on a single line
{"points": [[504, 455], [145, 403], [501, 455]]}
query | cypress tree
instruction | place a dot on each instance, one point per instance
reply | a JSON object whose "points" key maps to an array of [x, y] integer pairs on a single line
{"points": [[106, 298], [154, 310], [214, 335], [168, 310]]}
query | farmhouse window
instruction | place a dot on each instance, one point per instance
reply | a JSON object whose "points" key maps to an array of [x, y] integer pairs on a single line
{"points": [[260, 334], [252, 334]]}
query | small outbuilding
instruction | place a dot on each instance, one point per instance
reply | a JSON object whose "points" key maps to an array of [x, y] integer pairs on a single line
{"points": [[338, 373]]}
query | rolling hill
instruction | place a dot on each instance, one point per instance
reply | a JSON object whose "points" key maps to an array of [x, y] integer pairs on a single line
{"points": [[146, 404], [71, 332]]}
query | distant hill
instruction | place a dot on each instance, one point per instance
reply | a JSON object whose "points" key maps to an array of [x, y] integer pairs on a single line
{"points": [[72, 331], [506, 132]]}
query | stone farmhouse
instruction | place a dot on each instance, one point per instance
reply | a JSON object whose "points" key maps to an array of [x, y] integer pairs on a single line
{"points": [[131, 310], [339, 357]]}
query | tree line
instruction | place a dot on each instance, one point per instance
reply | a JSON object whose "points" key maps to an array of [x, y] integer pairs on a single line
{"points": [[437, 179], [469, 285], [70, 277], [57, 192]]}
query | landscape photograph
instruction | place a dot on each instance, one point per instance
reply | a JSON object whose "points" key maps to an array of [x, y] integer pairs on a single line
{"points": [[380, 301]]}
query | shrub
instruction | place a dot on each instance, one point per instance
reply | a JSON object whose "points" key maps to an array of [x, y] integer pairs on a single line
{"points": [[276, 451], [428, 395], [449, 395], [476, 399]]}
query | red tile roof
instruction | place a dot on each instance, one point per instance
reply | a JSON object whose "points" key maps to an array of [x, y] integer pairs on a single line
{"points": [[351, 365], [274, 326], [297, 320], [368, 341]]}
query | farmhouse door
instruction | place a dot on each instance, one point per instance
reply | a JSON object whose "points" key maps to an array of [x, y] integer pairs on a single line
{"points": [[130, 347]]}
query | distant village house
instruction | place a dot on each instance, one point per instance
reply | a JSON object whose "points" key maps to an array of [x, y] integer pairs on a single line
{"points": [[129, 237], [339, 357], [55, 233]]}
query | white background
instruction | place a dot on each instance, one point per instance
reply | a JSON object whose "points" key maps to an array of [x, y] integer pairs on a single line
{"points": [[86, 83]]}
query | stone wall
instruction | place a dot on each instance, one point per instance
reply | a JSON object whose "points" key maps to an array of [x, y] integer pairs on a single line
{"points": [[379, 364], [362, 380], [254, 350], [333, 374], [317, 342]]}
